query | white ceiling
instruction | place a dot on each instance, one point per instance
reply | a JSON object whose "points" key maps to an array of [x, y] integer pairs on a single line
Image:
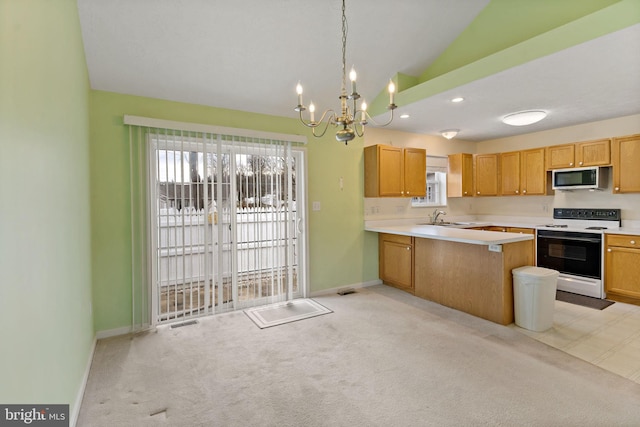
{"points": [[249, 54]]}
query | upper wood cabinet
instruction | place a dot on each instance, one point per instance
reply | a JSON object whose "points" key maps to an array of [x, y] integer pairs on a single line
{"points": [[394, 171], [486, 167], [510, 173], [561, 156], [523, 173], [625, 153], [593, 153], [415, 172], [533, 176], [581, 154], [460, 175]]}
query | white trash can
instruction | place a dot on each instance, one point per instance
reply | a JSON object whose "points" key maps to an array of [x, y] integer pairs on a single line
{"points": [[534, 295]]}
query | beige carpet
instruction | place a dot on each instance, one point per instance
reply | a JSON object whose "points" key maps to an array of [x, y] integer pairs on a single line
{"points": [[383, 358]]}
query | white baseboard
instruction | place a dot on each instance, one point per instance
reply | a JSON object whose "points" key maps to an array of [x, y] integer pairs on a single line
{"points": [[113, 332], [336, 289], [73, 416]]}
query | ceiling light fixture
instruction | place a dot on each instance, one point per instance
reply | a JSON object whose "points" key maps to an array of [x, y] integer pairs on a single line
{"points": [[523, 118], [458, 99], [404, 116], [449, 133], [348, 117]]}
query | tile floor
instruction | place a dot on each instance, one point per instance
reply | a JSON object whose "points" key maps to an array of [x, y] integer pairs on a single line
{"points": [[608, 338]]}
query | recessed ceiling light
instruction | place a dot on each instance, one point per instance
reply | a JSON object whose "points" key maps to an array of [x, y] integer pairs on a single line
{"points": [[523, 118], [449, 133], [404, 116], [457, 99]]}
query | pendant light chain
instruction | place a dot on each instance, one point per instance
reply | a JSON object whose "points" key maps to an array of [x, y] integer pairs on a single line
{"points": [[344, 49]]}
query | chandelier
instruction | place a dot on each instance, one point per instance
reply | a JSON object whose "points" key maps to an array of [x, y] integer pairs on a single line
{"points": [[347, 122]]}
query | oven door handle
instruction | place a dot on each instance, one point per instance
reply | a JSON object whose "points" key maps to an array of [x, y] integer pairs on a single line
{"points": [[576, 239]]}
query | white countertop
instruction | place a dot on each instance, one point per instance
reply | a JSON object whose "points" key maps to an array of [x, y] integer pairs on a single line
{"points": [[391, 226], [624, 230], [461, 235]]}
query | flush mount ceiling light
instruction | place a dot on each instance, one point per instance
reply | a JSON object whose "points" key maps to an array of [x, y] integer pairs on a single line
{"points": [[457, 99], [449, 133], [347, 119], [404, 116], [523, 118]]}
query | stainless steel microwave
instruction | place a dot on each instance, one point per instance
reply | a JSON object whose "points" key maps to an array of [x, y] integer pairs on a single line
{"points": [[589, 178]]}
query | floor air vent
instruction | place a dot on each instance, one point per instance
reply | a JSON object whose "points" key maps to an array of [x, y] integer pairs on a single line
{"points": [[188, 323]]}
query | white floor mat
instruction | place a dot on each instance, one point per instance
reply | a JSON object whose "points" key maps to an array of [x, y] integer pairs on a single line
{"points": [[278, 314]]}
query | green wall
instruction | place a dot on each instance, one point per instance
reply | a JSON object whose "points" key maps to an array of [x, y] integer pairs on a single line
{"points": [[505, 23], [341, 253], [45, 264]]}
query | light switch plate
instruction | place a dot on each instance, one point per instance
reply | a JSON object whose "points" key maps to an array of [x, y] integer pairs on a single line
{"points": [[315, 206]]}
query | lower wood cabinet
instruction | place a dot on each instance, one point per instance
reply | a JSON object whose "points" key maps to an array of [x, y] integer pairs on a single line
{"points": [[531, 231], [396, 260], [622, 268]]}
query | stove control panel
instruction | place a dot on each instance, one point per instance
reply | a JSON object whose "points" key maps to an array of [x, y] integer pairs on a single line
{"points": [[587, 214]]}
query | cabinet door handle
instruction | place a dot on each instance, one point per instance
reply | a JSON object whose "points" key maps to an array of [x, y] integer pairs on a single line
{"points": [[617, 188], [580, 163], [609, 250], [465, 192], [571, 164], [478, 192], [633, 242], [408, 248], [524, 191], [517, 191]]}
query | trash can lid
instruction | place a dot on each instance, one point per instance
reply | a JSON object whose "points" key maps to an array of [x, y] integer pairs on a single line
{"points": [[529, 270]]}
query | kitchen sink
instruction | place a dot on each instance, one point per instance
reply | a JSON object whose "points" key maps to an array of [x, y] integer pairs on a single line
{"points": [[447, 224]]}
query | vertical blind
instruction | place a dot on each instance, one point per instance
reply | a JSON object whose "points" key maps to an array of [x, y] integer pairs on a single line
{"points": [[215, 219]]}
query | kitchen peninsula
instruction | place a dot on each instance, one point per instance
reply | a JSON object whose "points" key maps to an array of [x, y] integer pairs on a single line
{"points": [[465, 269]]}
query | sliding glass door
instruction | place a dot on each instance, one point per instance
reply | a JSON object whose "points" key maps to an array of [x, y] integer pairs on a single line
{"points": [[228, 222]]}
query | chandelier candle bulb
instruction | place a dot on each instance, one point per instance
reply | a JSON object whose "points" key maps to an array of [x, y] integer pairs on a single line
{"points": [[299, 92], [352, 77], [392, 89], [312, 110]]}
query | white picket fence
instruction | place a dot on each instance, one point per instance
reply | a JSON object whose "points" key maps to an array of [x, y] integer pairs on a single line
{"points": [[183, 248]]}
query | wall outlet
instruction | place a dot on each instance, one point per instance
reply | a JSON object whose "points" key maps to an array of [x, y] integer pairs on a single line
{"points": [[495, 248], [315, 206]]}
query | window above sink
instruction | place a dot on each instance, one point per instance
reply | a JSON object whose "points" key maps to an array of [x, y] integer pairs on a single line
{"points": [[436, 194]]}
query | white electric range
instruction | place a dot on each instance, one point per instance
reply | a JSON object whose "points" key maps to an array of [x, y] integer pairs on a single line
{"points": [[573, 245]]}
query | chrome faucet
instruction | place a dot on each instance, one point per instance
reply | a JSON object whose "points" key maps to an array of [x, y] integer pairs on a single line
{"points": [[436, 214]]}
